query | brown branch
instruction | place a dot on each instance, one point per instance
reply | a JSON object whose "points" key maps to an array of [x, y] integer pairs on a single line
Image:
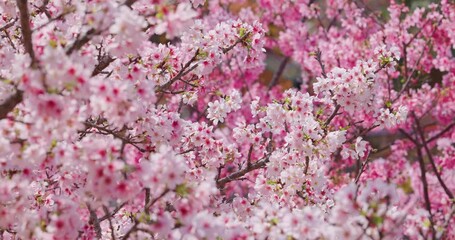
{"points": [[335, 112], [250, 151], [442, 132], [115, 211], [361, 170], [234, 176], [151, 203], [58, 17], [307, 165], [187, 68], [94, 221], [319, 59], [118, 135], [242, 39], [132, 229], [423, 179], [278, 73], [22, 5], [417, 33], [129, 3], [8, 25], [183, 71], [408, 136], [81, 41], [425, 190], [43, 9], [9, 104], [147, 199], [405, 60], [106, 211], [432, 162], [103, 63], [408, 79], [447, 222]]}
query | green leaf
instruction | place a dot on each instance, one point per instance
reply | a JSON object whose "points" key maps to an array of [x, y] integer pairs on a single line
{"points": [[242, 32], [53, 43], [272, 182], [406, 186], [182, 190], [388, 104], [377, 220], [426, 223], [274, 221], [145, 218]]}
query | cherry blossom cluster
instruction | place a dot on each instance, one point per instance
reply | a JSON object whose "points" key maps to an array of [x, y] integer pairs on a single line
{"points": [[138, 119]]}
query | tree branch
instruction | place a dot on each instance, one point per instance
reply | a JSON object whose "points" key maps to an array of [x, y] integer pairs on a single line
{"points": [[118, 135], [442, 132], [425, 190], [257, 165], [106, 211], [151, 203], [8, 25], [129, 3], [243, 38], [9, 104], [103, 63], [22, 5], [432, 162], [319, 59], [94, 221], [115, 211], [80, 42], [423, 179], [335, 112], [278, 73]]}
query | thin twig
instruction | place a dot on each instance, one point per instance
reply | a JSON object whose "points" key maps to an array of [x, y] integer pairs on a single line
{"points": [[116, 134], [106, 211], [278, 73], [442, 132], [8, 25], [445, 226], [81, 41], [425, 190], [147, 199], [307, 165], [103, 63], [234, 176], [432, 162], [242, 39], [151, 203], [334, 113], [115, 211], [59, 17], [250, 151], [94, 221], [319, 59], [132, 229], [423, 179]]}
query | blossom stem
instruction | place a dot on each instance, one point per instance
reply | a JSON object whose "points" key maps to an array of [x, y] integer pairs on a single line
{"points": [[432, 162]]}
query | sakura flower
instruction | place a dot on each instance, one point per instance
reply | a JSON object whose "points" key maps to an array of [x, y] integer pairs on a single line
{"points": [[176, 22], [360, 147], [217, 111], [127, 29]]}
